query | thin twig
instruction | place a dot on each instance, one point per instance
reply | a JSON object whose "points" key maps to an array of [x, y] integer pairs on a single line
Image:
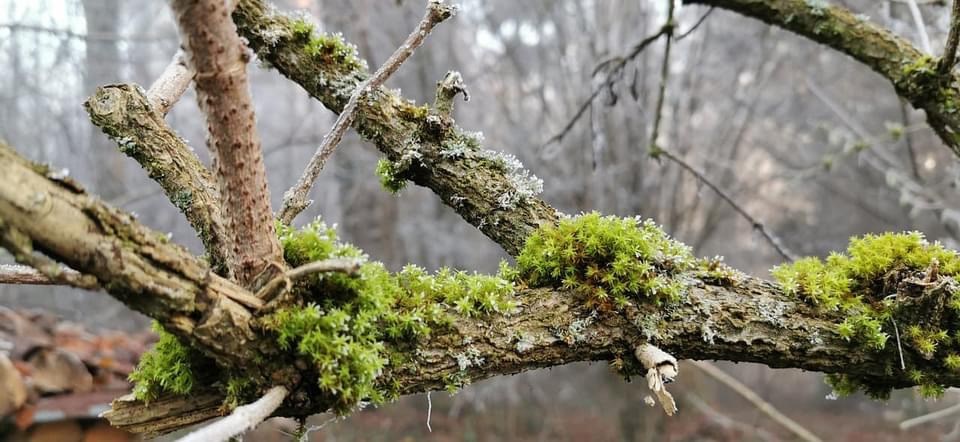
{"points": [[939, 414], [295, 199], [17, 243], [755, 223], [752, 397], [171, 84], [242, 419], [614, 67], [953, 40], [19, 274], [921, 28], [348, 266], [664, 78], [696, 25]]}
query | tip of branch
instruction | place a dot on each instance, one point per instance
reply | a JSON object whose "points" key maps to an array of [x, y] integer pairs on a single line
{"points": [[441, 10]]}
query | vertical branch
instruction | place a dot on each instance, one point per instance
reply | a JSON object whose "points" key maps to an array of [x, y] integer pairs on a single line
{"points": [[953, 39], [664, 78], [219, 58]]}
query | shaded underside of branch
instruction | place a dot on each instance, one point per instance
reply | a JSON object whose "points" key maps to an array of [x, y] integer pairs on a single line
{"points": [[913, 74]]}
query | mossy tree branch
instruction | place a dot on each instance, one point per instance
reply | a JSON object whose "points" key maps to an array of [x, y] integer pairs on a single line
{"points": [[914, 75], [126, 115], [427, 148]]}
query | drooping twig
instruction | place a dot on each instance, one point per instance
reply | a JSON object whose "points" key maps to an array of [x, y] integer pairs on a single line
{"points": [[167, 89], [696, 25], [219, 58], [348, 266], [664, 78], [953, 39], [758, 402], [614, 67], [243, 418], [754, 222], [295, 199], [19, 274]]}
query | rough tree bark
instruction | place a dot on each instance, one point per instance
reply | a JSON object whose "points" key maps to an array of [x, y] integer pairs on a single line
{"points": [[219, 60], [746, 319]]}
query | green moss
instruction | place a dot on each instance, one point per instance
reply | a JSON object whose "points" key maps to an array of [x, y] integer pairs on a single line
{"points": [[169, 367], [346, 322], [862, 285], [610, 260], [952, 362], [301, 28], [240, 390], [389, 176], [327, 48]]}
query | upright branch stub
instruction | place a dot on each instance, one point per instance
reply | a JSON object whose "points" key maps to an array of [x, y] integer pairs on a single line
{"points": [[295, 199], [447, 90], [219, 58]]}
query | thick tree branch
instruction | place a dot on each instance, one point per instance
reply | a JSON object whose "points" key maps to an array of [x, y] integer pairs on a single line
{"points": [[468, 180], [913, 74], [219, 58], [139, 267], [20, 274], [126, 115], [295, 200]]}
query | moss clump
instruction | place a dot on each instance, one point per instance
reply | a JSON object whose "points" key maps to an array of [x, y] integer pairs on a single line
{"points": [[864, 286], [609, 259], [389, 176], [169, 367], [326, 48], [346, 323]]}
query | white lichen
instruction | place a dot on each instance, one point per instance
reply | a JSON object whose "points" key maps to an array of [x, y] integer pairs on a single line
{"points": [[469, 358], [525, 342]]}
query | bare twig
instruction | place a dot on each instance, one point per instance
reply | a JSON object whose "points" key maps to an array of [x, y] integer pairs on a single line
{"points": [[696, 25], [20, 245], [219, 58], [762, 405], [295, 199], [170, 86], [242, 419], [930, 417], [921, 27], [614, 67], [949, 58], [664, 78], [348, 266], [19, 274], [754, 222]]}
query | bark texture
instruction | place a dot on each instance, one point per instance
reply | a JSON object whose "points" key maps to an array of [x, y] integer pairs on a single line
{"points": [[219, 58]]}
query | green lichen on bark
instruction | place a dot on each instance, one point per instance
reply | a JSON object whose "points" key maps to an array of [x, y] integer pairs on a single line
{"points": [[886, 284]]}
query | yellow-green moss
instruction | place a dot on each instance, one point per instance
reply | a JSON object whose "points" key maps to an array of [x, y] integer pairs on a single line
{"points": [[861, 285], [389, 176], [609, 259], [346, 322], [169, 367]]}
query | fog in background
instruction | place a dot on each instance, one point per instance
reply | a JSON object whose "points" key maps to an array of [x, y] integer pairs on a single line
{"points": [[808, 141]]}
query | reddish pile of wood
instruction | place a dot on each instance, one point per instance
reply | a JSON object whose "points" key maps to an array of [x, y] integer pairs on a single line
{"points": [[55, 375]]}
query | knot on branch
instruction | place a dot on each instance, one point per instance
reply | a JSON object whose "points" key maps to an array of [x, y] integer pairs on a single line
{"points": [[447, 89]]}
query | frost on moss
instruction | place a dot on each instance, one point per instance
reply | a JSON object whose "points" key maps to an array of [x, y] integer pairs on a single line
{"points": [[169, 367], [345, 323], [872, 286], [389, 176], [606, 258]]}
